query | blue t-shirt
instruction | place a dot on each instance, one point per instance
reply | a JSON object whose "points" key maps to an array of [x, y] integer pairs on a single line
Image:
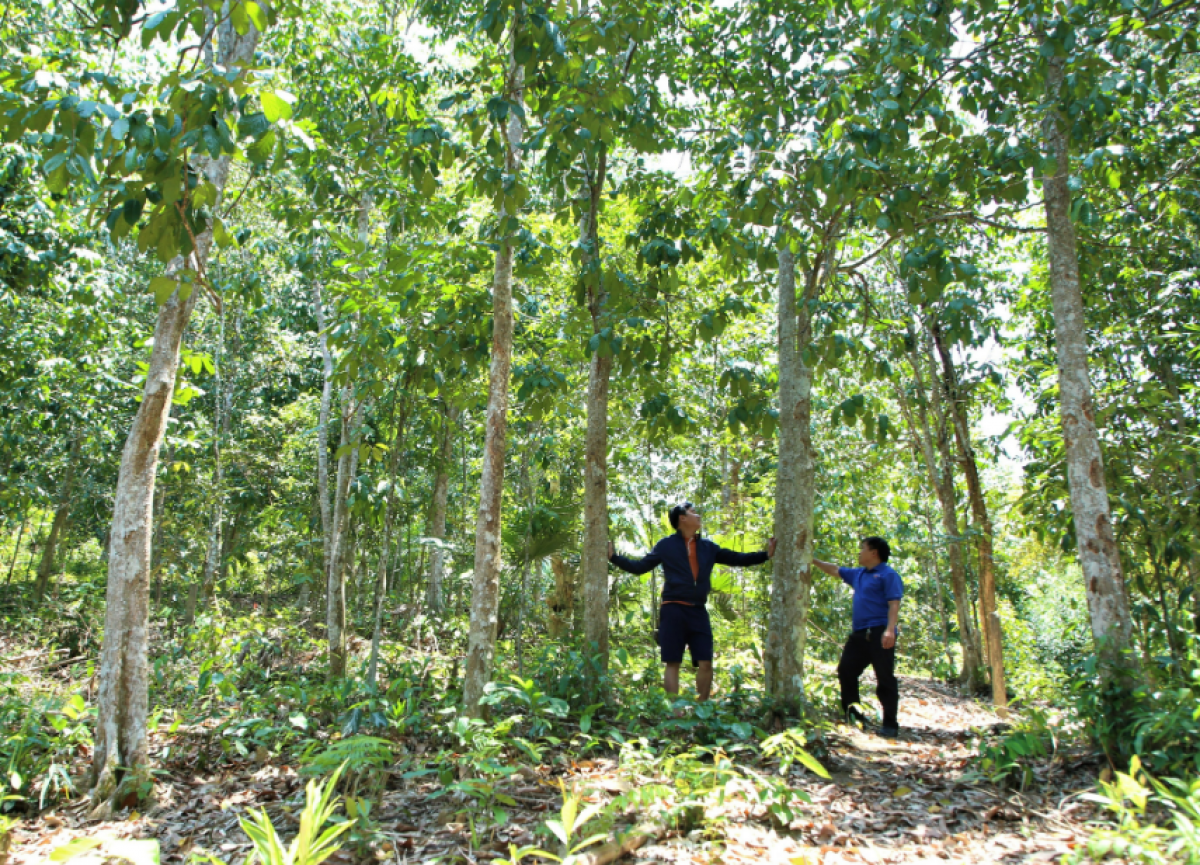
{"points": [[873, 588]]}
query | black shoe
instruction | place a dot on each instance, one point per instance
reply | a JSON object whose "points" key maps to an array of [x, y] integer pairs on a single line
{"points": [[889, 732]]}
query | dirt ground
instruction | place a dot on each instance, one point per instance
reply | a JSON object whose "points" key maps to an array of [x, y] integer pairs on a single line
{"points": [[915, 799]]}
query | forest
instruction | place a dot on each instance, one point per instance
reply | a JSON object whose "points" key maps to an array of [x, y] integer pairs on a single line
{"points": [[343, 344]]}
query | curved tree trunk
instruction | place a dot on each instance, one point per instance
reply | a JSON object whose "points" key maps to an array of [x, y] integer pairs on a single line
{"points": [[942, 483], [46, 566], [1097, 546], [987, 565], [435, 600], [791, 580], [485, 583], [120, 761]]}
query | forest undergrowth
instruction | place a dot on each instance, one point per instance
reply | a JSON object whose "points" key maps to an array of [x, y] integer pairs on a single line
{"points": [[243, 719]]}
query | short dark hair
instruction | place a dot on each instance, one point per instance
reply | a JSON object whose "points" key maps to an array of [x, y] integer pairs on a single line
{"points": [[678, 511], [880, 546]]}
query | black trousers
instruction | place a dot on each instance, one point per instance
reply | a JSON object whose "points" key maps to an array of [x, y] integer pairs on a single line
{"points": [[865, 648]]}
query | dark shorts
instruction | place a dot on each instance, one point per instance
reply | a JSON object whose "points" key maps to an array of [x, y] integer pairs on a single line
{"points": [[680, 627]]}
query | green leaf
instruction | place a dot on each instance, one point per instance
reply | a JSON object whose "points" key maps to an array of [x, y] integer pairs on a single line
{"points": [[276, 107], [162, 287], [257, 15]]}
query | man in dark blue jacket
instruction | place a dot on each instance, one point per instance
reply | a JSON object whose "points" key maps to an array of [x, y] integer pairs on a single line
{"points": [[875, 616], [687, 561]]}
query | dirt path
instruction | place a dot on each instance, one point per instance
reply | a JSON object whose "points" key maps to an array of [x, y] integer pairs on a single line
{"points": [[906, 801], [911, 800]]}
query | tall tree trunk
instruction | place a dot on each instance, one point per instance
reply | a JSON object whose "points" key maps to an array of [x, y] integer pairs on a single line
{"points": [[385, 551], [987, 565], [434, 595], [485, 583], [335, 582], [323, 429], [46, 567], [1097, 546], [120, 760], [791, 580], [595, 483], [942, 483]]}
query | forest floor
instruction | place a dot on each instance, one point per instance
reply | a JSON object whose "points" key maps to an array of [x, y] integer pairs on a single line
{"points": [[903, 801], [920, 798]]}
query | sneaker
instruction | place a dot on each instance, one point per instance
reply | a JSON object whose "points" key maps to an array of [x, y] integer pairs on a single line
{"points": [[889, 732]]}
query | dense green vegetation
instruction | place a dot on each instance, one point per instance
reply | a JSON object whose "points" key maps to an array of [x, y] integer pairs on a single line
{"points": [[337, 341]]}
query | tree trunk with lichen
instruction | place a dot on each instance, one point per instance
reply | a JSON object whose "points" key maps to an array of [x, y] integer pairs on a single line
{"points": [[120, 761], [595, 482], [1096, 545], [485, 582], [791, 580]]}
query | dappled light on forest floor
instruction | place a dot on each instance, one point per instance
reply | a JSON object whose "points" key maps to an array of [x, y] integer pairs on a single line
{"points": [[918, 798]]}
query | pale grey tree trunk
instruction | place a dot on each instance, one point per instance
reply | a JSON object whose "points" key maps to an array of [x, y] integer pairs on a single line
{"points": [[335, 582], [1097, 547], [595, 483], [46, 566], [485, 583], [323, 429], [120, 765], [987, 565], [791, 581], [341, 554], [389, 511], [435, 596]]}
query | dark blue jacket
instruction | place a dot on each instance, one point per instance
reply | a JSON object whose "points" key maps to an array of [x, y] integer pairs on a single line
{"points": [[678, 584]]}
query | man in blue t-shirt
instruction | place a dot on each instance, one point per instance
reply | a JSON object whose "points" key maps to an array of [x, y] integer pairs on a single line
{"points": [[876, 612]]}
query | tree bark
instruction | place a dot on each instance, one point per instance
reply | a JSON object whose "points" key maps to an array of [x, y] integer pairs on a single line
{"points": [[1097, 548], [791, 580], [335, 578], [323, 429], [595, 488], [485, 584], [384, 555], [942, 483], [46, 567], [987, 567], [120, 760], [434, 595]]}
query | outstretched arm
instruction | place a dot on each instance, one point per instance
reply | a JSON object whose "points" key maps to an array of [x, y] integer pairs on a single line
{"points": [[634, 566], [742, 560], [828, 568]]}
